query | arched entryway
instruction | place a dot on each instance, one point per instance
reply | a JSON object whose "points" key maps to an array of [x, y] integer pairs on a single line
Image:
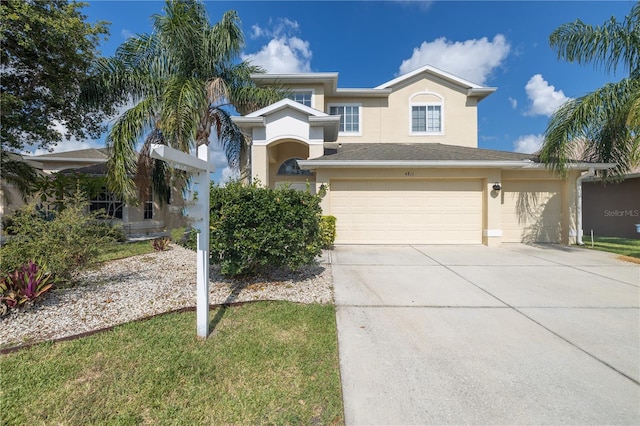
{"points": [[283, 166]]}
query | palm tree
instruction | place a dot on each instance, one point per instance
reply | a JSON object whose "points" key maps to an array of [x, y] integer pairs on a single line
{"points": [[182, 80], [604, 125]]}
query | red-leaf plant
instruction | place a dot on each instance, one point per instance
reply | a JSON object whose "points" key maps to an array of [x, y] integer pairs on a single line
{"points": [[24, 285]]}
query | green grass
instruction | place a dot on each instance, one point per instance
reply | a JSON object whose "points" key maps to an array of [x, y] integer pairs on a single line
{"points": [[266, 362], [116, 251], [622, 246]]}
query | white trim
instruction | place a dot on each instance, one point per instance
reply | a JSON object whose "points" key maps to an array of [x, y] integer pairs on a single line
{"points": [[359, 105], [426, 132], [360, 92], [281, 137], [426, 104], [492, 232], [304, 90], [516, 164], [432, 70], [282, 104]]}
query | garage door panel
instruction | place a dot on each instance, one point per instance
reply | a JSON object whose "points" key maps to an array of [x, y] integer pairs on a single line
{"points": [[407, 211], [532, 211]]}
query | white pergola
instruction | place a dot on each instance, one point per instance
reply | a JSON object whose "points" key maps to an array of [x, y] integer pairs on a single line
{"points": [[198, 213]]}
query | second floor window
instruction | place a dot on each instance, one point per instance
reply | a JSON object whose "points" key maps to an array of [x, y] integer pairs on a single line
{"points": [[302, 97], [349, 117], [426, 119]]}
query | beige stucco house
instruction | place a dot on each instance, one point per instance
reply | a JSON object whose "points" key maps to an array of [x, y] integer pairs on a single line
{"points": [[400, 163], [148, 216]]}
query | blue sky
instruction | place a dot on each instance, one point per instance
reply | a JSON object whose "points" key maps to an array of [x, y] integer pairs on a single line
{"points": [[502, 44]]}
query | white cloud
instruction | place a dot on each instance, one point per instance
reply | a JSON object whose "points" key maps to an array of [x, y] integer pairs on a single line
{"points": [[283, 55], [473, 60], [125, 33], [227, 175], [216, 155], [528, 144], [513, 102], [285, 52], [424, 5], [545, 99]]}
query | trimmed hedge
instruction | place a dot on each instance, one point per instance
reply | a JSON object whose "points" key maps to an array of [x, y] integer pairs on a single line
{"points": [[328, 231], [253, 228]]}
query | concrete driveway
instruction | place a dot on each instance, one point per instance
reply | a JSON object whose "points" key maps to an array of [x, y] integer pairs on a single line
{"points": [[478, 335]]}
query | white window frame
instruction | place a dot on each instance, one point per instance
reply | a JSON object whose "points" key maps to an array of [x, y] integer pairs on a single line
{"points": [[301, 90], [426, 104], [351, 133]]}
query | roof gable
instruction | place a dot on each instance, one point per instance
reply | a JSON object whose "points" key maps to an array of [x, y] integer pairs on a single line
{"points": [[80, 154], [472, 89], [284, 104]]}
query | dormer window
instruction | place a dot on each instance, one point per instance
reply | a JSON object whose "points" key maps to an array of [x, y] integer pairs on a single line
{"points": [[426, 115], [291, 168], [303, 97], [426, 119], [349, 118]]}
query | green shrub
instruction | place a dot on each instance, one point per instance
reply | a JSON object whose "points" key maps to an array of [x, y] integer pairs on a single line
{"points": [[254, 227], [185, 238], [327, 231], [65, 240]]}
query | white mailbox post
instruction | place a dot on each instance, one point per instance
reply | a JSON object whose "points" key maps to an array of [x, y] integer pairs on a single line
{"points": [[198, 213]]}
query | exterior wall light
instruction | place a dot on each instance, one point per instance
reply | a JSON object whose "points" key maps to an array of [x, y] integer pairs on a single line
{"points": [[497, 186]]}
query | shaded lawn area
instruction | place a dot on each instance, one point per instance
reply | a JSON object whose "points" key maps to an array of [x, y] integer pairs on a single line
{"points": [[622, 246], [266, 362], [114, 251]]}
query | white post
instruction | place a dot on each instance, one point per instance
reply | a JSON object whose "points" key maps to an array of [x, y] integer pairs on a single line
{"points": [[199, 169], [201, 181]]}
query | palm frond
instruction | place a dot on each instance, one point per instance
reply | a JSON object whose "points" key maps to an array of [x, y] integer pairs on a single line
{"points": [[598, 123], [608, 45], [217, 91], [17, 172], [225, 39], [121, 141], [184, 104], [153, 173], [229, 135]]}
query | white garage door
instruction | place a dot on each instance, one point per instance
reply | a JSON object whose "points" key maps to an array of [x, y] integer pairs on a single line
{"points": [[407, 211], [531, 211]]}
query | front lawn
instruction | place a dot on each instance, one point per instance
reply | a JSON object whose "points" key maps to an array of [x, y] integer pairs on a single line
{"points": [[266, 362], [622, 246], [115, 251]]}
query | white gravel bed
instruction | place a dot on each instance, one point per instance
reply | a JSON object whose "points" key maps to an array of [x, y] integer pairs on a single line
{"points": [[141, 286]]}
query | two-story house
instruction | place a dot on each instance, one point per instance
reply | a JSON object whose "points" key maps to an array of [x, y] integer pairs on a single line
{"points": [[400, 162]]}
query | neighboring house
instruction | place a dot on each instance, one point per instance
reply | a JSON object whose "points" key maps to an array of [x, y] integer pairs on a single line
{"points": [[148, 216], [612, 209], [10, 197], [400, 162]]}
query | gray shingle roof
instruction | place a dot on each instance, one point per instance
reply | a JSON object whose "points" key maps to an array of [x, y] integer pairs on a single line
{"points": [[416, 152], [90, 153]]}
